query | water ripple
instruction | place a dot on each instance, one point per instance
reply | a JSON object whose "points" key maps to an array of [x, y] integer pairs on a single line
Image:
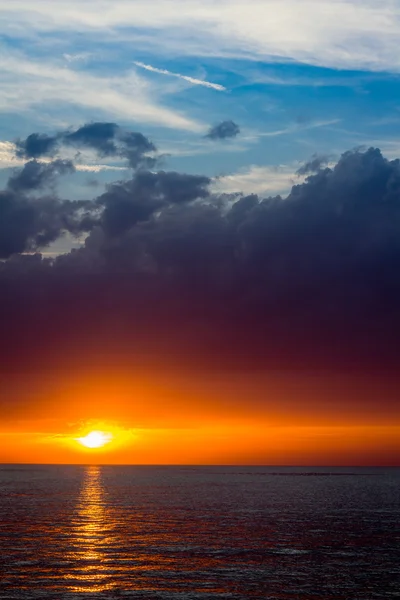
{"points": [[71, 533]]}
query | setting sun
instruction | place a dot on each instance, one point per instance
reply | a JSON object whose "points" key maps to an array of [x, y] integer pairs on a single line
{"points": [[95, 439]]}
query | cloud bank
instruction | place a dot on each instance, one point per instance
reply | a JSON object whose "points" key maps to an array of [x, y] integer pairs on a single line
{"points": [[173, 268]]}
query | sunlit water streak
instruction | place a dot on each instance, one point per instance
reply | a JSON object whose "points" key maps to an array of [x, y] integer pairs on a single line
{"points": [[91, 530], [204, 533]]}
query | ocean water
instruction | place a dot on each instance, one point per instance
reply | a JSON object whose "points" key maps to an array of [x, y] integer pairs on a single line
{"points": [[69, 532]]}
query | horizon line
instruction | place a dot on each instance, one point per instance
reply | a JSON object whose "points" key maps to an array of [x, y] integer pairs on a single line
{"points": [[262, 466]]}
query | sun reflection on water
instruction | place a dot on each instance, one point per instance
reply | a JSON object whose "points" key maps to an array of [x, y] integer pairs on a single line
{"points": [[90, 535]]}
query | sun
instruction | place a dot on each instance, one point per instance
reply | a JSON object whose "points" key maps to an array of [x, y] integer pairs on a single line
{"points": [[95, 439]]}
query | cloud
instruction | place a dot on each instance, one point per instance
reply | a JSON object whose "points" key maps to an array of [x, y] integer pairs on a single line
{"points": [[98, 168], [124, 204], [336, 34], [99, 136], [106, 139], [223, 131], [127, 203], [36, 145], [36, 175], [214, 86], [178, 270], [80, 56], [312, 81], [31, 220], [9, 152], [8, 158], [298, 127], [29, 223], [33, 86], [258, 179], [313, 165]]}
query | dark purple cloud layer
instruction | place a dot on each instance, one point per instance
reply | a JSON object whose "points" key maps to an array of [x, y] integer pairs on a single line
{"points": [[171, 268]]}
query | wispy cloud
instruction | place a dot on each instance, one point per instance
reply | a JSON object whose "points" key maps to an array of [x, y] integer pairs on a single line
{"points": [[8, 159], [30, 85], [80, 57], [208, 84], [99, 168], [251, 136], [346, 34], [312, 81]]}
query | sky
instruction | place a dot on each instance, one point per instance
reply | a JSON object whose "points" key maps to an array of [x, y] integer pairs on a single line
{"points": [[200, 231]]}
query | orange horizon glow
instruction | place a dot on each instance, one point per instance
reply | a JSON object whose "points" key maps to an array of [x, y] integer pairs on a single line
{"points": [[175, 419], [223, 444]]}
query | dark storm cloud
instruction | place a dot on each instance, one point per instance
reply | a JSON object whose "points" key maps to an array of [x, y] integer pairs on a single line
{"points": [[36, 175], [311, 278], [37, 145], [108, 140], [28, 221], [16, 223], [128, 202], [223, 131], [313, 165], [135, 147], [98, 136]]}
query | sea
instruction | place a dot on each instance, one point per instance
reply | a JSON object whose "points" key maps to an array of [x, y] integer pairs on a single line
{"points": [[199, 533]]}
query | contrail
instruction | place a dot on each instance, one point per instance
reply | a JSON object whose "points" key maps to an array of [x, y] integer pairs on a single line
{"points": [[214, 86]]}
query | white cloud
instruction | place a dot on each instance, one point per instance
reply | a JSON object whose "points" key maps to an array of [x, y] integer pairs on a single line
{"points": [[9, 160], [263, 180], [214, 86], [30, 85], [356, 34], [99, 168], [298, 127], [80, 57], [7, 156]]}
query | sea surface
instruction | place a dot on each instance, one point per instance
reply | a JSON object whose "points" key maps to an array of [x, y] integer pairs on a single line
{"points": [[72, 532]]}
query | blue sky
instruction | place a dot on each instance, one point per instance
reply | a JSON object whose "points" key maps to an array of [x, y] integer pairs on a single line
{"points": [[299, 77]]}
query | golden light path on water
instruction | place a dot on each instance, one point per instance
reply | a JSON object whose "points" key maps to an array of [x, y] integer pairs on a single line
{"points": [[91, 528]]}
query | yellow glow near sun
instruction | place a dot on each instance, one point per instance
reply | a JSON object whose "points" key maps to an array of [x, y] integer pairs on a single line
{"points": [[95, 439]]}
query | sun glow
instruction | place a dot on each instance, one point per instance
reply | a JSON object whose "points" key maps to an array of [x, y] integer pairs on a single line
{"points": [[95, 439]]}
